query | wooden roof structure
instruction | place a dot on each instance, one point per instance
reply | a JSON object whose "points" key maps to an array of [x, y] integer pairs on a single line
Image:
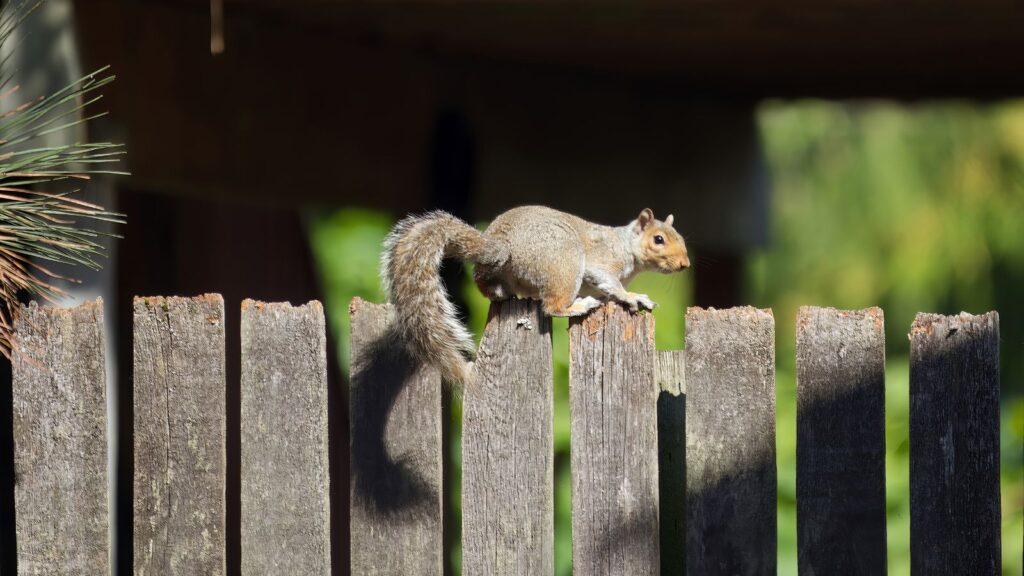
{"points": [[353, 88], [832, 48]]}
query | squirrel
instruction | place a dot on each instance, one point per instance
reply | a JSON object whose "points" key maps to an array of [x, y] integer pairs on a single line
{"points": [[571, 265]]}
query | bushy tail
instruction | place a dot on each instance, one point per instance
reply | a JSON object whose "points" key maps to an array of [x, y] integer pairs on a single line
{"points": [[410, 267]]}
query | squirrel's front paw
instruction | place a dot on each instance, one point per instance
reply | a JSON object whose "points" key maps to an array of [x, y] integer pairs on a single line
{"points": [[645, 301], [639, 302]]}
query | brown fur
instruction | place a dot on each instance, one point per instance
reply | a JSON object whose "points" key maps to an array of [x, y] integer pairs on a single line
{"points": [[571, 265]]}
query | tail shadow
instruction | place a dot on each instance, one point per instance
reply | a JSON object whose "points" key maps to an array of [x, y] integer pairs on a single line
{"points": [[395, 469]]}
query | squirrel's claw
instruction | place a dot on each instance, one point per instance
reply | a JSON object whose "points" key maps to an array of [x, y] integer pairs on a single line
{"points": [[637, 302], [645, 302]]}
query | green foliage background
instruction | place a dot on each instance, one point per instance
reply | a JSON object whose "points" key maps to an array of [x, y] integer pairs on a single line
{"points": [[911, 208]]}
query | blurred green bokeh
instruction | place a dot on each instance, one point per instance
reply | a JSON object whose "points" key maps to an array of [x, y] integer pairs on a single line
{"points": [[911, 208], [914, 209]]}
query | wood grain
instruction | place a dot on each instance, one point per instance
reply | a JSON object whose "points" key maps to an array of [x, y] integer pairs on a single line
{"points": [[840, 480], [179, 398], [60, 441], [730, 441], [613, 403], [507, 447], [395, 419], [954, 445], [285, 502]]}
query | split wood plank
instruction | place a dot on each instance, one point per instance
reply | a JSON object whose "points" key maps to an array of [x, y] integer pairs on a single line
{"points": [[285, 501], [180, 460], [954, 445], [60, 440], [507, 447], [613, 404], [730, 441], [840, 481]]}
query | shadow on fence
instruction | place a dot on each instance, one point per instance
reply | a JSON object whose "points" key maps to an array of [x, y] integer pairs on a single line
{"points": [[840, 489], [380, 371]]}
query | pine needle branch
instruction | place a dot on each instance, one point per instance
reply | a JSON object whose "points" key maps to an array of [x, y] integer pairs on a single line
{"points": [[40, 225]]}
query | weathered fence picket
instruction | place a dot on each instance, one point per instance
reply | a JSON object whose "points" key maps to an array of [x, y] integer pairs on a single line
{"points": [[285, 504], [840, 435], [954, 445], [395, 427], [730, 441], [180, 460], [613, 405], [673, 453], [60, 441], [507, 447], [670, 375]]}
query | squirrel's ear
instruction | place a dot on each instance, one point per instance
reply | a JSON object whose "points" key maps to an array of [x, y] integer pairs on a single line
{"points": [[668, 221], [645, 218]]}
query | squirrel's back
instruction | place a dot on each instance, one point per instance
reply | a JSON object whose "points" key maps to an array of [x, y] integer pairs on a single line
{"points": [[543, 242], [526, 224]]}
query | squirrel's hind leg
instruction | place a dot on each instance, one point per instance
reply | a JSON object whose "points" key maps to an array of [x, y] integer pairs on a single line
{"points": [[583, 305], [579, 307], [565, 303], [559, 293]]}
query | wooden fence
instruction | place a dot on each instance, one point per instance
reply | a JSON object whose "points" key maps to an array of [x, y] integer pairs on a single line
{"points": [[673, 459]]}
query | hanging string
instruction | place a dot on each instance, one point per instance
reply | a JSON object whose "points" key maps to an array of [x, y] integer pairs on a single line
{"points": [[216, 27]]}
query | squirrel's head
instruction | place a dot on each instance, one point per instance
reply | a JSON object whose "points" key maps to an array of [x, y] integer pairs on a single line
{"points": [[660, 247]]}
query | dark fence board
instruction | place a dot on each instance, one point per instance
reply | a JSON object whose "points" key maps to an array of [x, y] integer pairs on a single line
{"points": [[395, 419], [954, 445], [841, 441], [507, 447], [613, 402], [60, 441], [670, 375], [730, 441], [285, 502], [179, 398]]}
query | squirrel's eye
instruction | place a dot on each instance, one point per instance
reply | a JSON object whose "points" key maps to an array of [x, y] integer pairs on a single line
{"points": [[659, 239]]}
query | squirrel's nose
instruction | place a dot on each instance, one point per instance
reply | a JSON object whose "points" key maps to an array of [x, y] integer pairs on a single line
{"points": [[684, 263]]}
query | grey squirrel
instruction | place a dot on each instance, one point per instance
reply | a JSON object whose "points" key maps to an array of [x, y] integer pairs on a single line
{"points": [[571, 265]]}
